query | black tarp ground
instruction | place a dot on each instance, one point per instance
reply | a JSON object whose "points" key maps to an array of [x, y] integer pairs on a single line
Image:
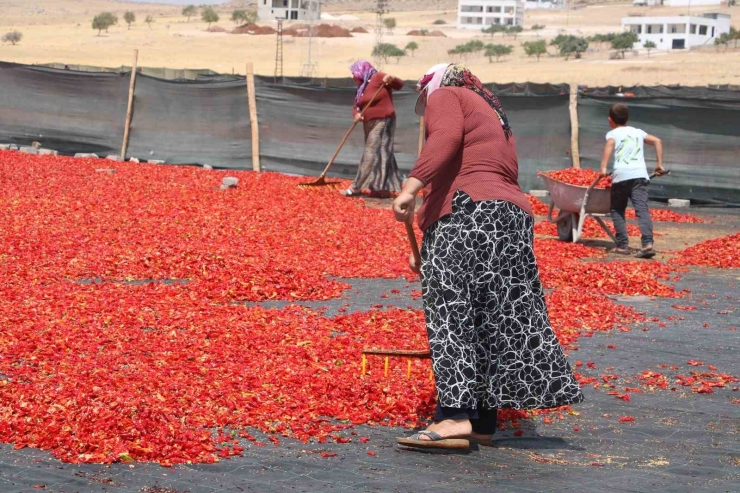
{"points": [[680, 442]]}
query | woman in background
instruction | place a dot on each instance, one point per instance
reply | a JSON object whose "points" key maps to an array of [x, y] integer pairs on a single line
{"points": [[378, 171]]}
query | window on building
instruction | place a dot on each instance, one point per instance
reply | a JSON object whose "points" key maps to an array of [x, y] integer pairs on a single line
{"points": [[509, 22], [509, 10], [703, 30], [472, 20], [476, 9], [493, 10], [294, 4], [654, 29], [637, 29], [677, 28], [294, 15], [693, 28], [712, 32]]}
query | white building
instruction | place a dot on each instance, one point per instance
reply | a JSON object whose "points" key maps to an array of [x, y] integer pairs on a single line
{"points": [[544, 4], [479, 14], [689, 3], [678, 32], [295, 10]]}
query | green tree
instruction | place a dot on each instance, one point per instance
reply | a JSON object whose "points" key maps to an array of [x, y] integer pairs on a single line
{"points": [[624, 42], [514, 30], [149, 19], [390, 24], [535, 48], [412, 47], [130, 18], [649, 45], [209, 15], [245, 16], [397, 53], [424, 32], [735, 35], [493, 29], [13, 37], [385, 51], [724, 39], [103, 21], [189, 11], [497, 51], [573, 46]]}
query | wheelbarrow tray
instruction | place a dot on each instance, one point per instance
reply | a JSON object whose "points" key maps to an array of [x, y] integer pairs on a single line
{"points": [[569, 198]]}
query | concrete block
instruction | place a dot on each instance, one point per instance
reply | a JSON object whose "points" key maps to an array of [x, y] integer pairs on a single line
{"points": [[29, 150], [4, 147], [155, 161], [48, 152], [114, 157], [539, 193], [84, 155], [105, 170], [679, 203], [207, 166], [229, 182], [134, 160]]}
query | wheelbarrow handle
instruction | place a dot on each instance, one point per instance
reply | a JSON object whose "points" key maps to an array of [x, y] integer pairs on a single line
{"points": [[658, 174]]}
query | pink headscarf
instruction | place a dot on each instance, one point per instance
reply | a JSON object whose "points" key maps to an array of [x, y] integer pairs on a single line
{"points": [[362, 70]]}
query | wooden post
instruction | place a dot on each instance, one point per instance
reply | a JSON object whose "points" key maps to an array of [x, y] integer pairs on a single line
{"points": [[253, 118], [421, 134], [574, 151], [129, 110]]}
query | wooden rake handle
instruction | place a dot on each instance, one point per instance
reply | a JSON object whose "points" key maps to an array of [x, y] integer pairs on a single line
{"points": [[349, 132], [414, 244]]}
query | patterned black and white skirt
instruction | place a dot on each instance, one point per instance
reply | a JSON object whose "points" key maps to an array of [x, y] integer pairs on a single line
{"points": [[489, 331]]}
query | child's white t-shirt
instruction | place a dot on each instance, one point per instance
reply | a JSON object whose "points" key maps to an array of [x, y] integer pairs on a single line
{"points": [[629, 155]]}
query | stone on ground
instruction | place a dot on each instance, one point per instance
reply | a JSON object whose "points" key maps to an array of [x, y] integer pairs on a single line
{"points": [[229, 182], [29, 150], [48, 152], [679, 203]]}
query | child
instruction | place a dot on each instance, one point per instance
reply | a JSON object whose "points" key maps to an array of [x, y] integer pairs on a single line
{"points": [[630, 178]]}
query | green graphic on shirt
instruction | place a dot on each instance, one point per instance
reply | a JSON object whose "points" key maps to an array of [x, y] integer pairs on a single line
{"points": [[629, 150]]}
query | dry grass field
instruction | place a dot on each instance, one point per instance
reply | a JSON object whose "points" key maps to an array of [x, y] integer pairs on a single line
{"points": [[60, 31]]}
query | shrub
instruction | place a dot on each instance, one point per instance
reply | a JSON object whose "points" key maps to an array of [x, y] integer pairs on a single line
{"points": [[412, 47], [493, 29], [13, 37], [623, 42], [149, 19], [189, 11], [497, 51], [535, 48], [130, 18], [385, 51], [439, 22], [649, 45], [390, 24], [104, 21], [209, 15]]}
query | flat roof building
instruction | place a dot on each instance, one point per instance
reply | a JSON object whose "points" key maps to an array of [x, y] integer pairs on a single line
{"points": [[480, 14], [678, 32], [295, 10]]}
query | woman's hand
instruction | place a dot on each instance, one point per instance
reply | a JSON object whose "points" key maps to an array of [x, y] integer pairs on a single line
{"points": [[403, 207], [388, 80], [359, 117], [415, 268]]}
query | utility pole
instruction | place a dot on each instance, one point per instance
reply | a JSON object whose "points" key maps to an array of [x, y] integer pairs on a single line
{"points": [[380, 11], [279, 52], [309, 68]]}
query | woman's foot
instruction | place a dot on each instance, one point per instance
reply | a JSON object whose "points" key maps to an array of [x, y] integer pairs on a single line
{"points": [[350, 193], [450, 428]]}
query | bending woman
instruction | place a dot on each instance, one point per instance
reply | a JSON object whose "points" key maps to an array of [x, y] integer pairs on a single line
{"points": [[489, 332], [378, 171]]}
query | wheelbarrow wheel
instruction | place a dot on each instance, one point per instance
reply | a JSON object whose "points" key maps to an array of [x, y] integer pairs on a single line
{"points": [[565, 227]]}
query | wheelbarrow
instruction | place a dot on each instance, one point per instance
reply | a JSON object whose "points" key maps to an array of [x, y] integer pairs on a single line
{"points": [[576, 203]]}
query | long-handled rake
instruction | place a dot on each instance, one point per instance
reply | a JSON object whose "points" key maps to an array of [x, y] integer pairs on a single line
{"points": [[321, 180]]}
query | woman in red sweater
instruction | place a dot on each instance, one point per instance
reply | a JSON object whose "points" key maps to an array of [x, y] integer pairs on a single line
{"points": [[489, 333], [378, 171]]}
